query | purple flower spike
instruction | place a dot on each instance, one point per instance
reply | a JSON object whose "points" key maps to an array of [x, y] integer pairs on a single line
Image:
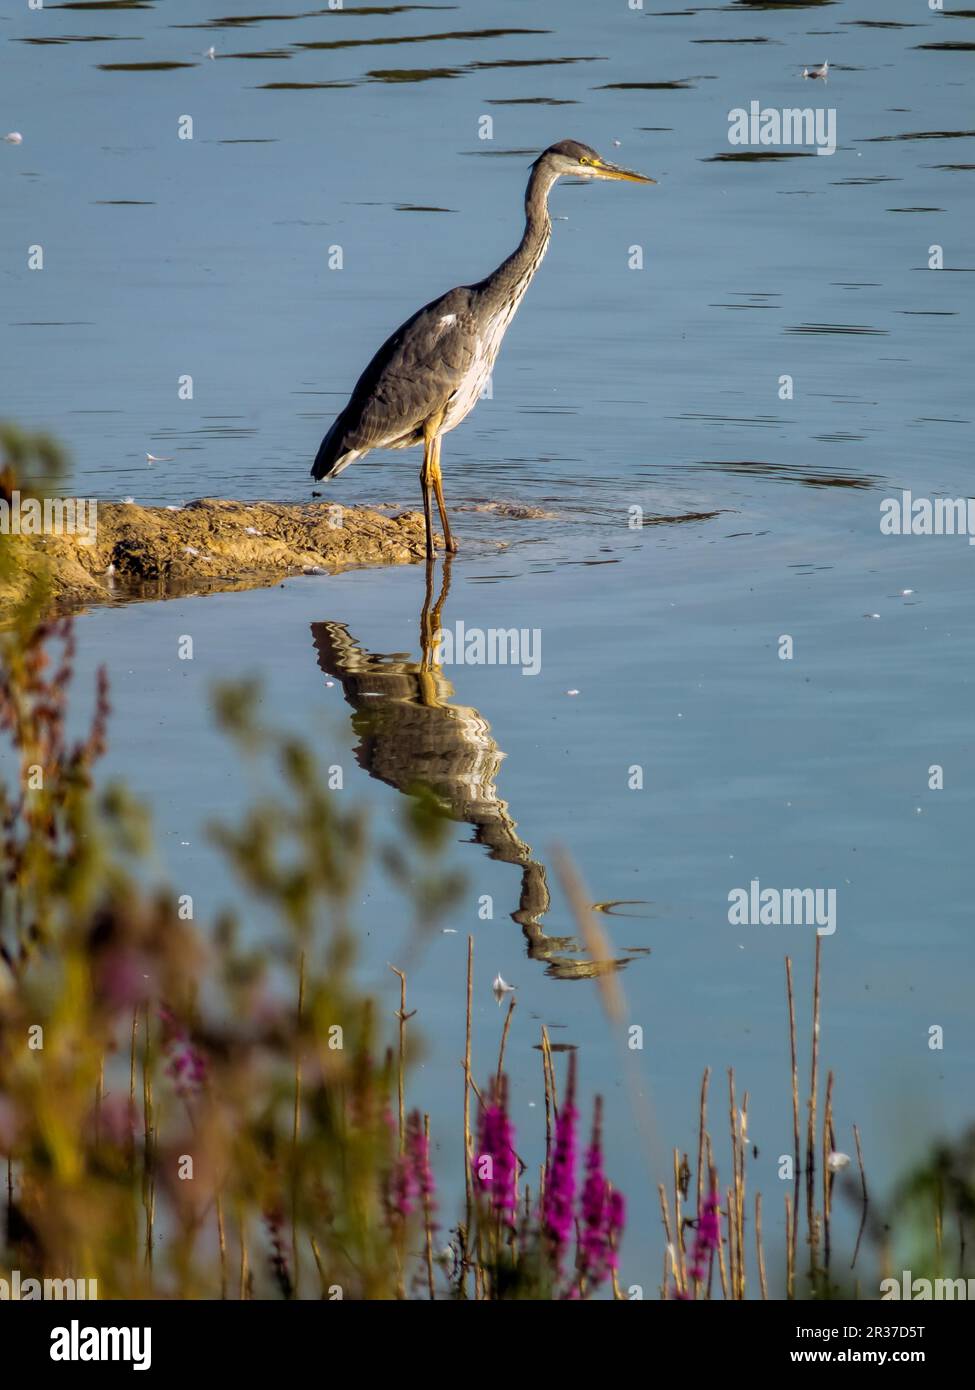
{"points": [[560, 1182], [707, 1238], [185, 1064], [602, 1212], [405, 1187], [495, 1142], [617, 1220], [418, 1157]]}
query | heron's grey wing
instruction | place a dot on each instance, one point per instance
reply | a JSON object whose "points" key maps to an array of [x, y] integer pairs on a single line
{"points": [[414, 374]]}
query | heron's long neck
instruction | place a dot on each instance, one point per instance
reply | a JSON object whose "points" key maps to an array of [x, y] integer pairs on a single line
{"points": [[513, 276]]}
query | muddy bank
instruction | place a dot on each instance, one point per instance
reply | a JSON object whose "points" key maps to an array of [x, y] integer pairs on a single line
{"points": [[207, 545]]}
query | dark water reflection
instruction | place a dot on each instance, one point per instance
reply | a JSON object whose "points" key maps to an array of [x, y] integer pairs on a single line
{"points": [[410, 735]]}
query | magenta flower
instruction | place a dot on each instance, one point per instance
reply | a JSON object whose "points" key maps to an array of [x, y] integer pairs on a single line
{"points": [[409, 1183], [185, 1064], [418, 1153], [707, 1237], [404, 1187], [560, 1181], [495, 1164], [601, 1212]]}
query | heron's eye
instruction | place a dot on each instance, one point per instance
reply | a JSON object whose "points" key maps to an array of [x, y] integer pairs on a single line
{"points": [[583, 159]]}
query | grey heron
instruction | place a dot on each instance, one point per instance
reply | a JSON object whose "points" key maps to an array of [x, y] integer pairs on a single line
{"points": [[428, 375]]}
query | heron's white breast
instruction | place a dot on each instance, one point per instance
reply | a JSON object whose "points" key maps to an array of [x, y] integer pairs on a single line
{"points": [[489, 341]]}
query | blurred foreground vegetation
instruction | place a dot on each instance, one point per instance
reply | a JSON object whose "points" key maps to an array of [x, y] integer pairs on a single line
{"points": [[181, 1116]]}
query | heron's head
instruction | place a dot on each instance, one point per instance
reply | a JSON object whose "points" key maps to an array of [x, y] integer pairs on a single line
{"points": [[569, 157]]}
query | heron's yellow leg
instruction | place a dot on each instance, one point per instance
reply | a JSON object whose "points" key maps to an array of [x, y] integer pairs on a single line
{"points": [[426, 482], [449, 541]]}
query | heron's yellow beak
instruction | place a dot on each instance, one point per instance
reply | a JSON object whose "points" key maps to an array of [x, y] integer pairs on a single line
{"points": [[613, 171]]}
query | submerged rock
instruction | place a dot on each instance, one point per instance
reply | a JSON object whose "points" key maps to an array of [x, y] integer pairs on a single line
{"points": [[207, 545]]}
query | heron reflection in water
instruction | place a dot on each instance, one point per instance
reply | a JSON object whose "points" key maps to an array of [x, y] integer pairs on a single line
{"points": [[410, 733]]}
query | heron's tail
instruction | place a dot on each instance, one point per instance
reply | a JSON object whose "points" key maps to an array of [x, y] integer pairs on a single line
{"points": [[332, 454]]}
